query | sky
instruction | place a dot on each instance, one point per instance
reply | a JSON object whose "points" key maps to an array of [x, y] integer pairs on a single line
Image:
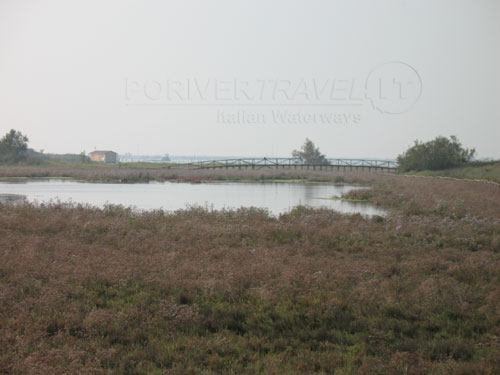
{"points": [[251, 77]]}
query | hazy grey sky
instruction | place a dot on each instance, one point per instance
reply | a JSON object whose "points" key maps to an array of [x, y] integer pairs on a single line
{"points": [[114, 74]]}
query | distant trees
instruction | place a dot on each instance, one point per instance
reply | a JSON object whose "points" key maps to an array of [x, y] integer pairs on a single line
{"points": [[13, 147], [440, 153], [84, 158], [310, 154]]}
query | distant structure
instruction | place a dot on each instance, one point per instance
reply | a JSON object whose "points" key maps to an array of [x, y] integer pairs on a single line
{"points": [[104, 156]]}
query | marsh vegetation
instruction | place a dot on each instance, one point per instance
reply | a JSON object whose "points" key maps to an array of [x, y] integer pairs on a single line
{"points": [[112, 291]]}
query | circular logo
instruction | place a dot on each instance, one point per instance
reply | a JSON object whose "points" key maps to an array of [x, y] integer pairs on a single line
{"points": [[393, 87]]}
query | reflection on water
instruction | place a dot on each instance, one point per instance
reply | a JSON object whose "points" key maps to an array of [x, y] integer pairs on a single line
{"points": [[12, 198], [276, 197]]}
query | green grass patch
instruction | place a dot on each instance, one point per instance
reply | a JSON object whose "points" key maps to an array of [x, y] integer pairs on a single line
{"points": [[489, 171]]}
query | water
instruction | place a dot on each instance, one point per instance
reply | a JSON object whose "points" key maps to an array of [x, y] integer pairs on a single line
{"points": [[276, 197]]}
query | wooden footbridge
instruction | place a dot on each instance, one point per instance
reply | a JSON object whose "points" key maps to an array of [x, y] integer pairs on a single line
{"points": [[294, 163]]}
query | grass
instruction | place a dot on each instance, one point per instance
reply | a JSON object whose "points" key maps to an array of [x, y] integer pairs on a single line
{"points": [[112, 291], [335, 198], [146, 171], [87, 165], [355, 196], [96, 172], [489, 171]]}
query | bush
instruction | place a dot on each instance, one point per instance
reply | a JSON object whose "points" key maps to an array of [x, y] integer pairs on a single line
{"points": [[440, 153]]}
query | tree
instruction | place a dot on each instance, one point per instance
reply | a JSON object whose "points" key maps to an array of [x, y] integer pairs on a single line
{"points": [[83, 157], [440, 153], [13, 147], [309, 154]]}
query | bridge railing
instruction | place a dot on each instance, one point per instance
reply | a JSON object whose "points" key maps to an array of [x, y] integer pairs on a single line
{"points": [[290, 162]]}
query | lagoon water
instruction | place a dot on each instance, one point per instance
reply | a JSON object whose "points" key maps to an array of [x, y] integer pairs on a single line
{"points": [[276, 197]]}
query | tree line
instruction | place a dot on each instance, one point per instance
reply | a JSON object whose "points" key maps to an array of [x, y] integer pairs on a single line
{"points": [[440, 153]]}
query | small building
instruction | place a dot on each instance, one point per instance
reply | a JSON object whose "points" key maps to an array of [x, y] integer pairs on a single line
{"points": [[104, 156]]}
